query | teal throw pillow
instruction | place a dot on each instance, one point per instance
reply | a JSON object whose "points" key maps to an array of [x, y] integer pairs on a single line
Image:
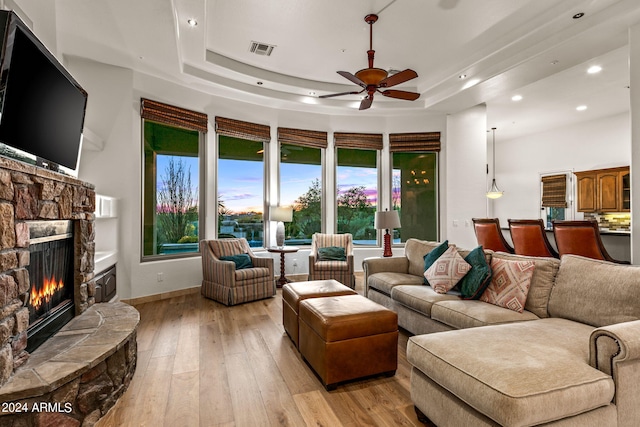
{"points": [[242, 260], [478, 278], [432, 256], [331, 253]]}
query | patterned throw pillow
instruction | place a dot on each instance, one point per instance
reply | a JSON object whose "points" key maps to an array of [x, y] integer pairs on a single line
{"points": [[432, 256], [510, 283], [447, 271]]}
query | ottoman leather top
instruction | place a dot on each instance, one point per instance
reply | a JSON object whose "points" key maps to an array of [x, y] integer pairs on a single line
{"points": [[294, 292], [349, 316]]}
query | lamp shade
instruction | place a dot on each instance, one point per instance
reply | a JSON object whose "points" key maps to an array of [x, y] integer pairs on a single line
{"points": [[387, 220], [280, 213]]}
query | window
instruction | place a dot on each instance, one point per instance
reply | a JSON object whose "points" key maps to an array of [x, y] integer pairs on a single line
{"points": [[301, 178], [554, 197], [241, 179], [357, 185], [414, 189], [172, 220]]}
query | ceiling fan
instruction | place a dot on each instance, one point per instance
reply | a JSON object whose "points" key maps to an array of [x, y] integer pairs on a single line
{"points": [[373, 79]]}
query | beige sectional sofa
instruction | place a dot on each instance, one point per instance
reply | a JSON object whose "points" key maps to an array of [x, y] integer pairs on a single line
{"points": [[571, 358]]}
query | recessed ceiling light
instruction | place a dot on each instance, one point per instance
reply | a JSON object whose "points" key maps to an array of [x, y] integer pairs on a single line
{"points": [[516, 98], [594, 69], [578, 15], [581, 107], [192, 22]]}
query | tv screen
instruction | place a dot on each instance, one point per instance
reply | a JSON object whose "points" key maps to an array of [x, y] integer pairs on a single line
{"points": [[43, 107]]}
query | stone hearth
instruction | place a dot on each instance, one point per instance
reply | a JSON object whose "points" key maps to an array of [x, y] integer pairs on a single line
{"points": [[30, 193], [75, 377]]}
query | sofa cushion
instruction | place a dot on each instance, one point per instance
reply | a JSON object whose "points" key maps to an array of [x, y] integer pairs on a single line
{"points": [[478, 278], [419, 298], [384, 282], [525, 373], [460, 314], [544, 276], [415, 250], [510, 284], [447, 271], [595, 292]]}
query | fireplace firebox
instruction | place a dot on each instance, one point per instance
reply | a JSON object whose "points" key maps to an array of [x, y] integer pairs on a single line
{"points": [[51, 275]]}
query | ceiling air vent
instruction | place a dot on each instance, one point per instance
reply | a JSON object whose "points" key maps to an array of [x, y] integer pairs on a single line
{"points": [[261, 48]]}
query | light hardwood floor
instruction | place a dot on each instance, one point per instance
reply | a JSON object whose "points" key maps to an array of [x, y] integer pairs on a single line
{"points": [[203, 364]]}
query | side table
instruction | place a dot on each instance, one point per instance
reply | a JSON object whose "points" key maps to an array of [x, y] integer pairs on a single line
{"points": [[282, 251]]}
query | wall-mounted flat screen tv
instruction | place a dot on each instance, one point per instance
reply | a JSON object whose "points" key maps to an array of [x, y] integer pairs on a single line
{"points": [[42, 107]]}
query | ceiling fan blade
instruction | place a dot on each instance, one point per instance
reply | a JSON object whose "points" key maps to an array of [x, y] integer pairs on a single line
{"points": [[340, 94], [401, 94], [398, 78], [347, 75], [366, 103]]}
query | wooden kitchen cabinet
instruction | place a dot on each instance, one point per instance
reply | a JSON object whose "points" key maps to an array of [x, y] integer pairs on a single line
{"points": [[604, 190]]}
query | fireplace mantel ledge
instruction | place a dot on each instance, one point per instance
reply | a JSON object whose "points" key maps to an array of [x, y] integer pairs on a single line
{"points": [[82, 344]]}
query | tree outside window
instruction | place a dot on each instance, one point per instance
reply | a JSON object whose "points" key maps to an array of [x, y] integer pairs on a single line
{"points": [[171, 214]]}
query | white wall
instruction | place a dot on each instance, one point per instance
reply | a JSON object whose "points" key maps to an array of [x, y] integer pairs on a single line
{"points": [[592, 145], [462, 192]]}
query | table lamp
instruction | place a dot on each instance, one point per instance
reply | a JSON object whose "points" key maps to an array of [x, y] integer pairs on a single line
{"points": [[282, 215], [386, 220]]}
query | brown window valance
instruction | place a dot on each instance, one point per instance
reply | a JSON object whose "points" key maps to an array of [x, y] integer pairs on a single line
{"points": [[554, 191], [367, 141], [308, 138], [421, 141], [243, 130], [171, 115]]}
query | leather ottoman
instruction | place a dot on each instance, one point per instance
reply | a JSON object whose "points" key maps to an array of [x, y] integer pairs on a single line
{"points": [[294, 292], [348, 337]]}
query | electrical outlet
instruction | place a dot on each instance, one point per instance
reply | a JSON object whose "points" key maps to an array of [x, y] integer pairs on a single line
{"points": [[295, 262], [160, 277]]}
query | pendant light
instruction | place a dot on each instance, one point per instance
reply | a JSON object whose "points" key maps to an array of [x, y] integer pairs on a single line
{"points": [[494, 192]]}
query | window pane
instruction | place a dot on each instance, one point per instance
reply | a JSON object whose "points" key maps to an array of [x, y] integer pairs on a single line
{"points": [[301, 187], [171, 203], [241, 189], [415, 195], [357, 198]]}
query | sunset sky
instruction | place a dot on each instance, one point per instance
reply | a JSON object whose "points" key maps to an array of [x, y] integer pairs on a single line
{"points": [[240, 183]]}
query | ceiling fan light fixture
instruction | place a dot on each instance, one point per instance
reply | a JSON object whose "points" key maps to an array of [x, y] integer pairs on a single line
{"points": [[372, 76], [372, 79]]}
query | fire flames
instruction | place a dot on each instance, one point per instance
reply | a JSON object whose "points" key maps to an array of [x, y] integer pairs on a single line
{"points": [[38, 297]]}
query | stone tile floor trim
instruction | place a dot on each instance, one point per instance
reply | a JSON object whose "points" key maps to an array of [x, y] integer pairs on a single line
{"points": [[86, 341]]}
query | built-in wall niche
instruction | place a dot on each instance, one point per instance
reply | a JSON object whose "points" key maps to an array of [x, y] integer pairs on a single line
{"points": [[106, 207], [107, 228]]}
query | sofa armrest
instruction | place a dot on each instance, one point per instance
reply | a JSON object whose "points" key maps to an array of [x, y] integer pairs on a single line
{"points": [[615, 350], [374, 265]]}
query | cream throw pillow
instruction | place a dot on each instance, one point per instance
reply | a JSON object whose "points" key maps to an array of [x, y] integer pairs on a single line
{"points": [[447, 271]]}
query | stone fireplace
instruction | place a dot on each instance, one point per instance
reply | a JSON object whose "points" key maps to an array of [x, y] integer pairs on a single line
{"points": [[33, 199], [86, 357]]}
